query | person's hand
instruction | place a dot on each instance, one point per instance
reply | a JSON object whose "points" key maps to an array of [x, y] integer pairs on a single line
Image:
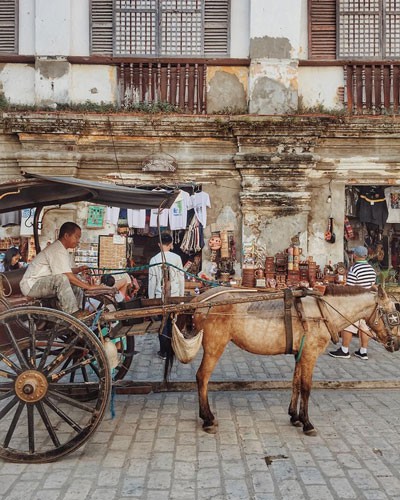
{"points": [[82, 269]]}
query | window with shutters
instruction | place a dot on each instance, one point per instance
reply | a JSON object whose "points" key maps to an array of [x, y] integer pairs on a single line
{"points": [[369, 29], [8, 26], [160, 28], [354, 29]]}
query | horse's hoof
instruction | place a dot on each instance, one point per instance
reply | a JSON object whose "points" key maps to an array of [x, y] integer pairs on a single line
{"points": [[210, 429], [310, 432]]}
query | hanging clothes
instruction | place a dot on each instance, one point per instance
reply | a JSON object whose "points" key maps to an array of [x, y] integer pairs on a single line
{"points": [[193, 240], [178, 211], [112, 215], [372, 205], [200, 202], [392, 195], [164, 214], [136, 218]]}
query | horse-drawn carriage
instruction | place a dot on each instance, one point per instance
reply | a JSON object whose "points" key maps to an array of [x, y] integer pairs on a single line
{"points": [[55, 376]]}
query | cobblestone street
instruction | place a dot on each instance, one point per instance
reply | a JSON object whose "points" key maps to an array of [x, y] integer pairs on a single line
{"points": [[155, 448]]}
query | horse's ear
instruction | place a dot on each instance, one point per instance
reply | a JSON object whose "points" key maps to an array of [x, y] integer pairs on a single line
{"points": [[381, 292]]}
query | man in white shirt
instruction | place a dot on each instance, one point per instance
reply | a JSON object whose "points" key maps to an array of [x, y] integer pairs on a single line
{"points": [[176, 281], [50, 273]]}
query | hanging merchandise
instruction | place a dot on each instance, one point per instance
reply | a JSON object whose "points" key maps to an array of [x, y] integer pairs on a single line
{"points": [[162, 219], [392, 195], [178, 211], [193, 240], [112, 215], [372, 205], [136, 218], [348, 230], [200, 202], [330, 236], [224, 245]]}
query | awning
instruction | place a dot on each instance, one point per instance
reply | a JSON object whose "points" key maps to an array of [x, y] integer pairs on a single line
{"points": [[34, 190]]}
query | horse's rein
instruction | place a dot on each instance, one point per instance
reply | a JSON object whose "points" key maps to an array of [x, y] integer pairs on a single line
{"points": [[376, 308]]}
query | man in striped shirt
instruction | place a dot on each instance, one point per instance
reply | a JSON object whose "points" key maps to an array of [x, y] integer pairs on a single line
{"points": [[360, 274]]}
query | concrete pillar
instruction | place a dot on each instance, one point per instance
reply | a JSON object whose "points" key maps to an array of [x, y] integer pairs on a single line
{"points": [[275, 45]]}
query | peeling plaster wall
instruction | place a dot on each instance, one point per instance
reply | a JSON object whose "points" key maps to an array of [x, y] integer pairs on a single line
{"points": [[93, 83], [17, 83], [320, 86], [273, 87], [240, 28], [227, 88], [52, 81]]}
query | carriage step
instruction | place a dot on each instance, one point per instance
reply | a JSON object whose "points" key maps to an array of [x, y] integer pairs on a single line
{"points": [[144, 328]]}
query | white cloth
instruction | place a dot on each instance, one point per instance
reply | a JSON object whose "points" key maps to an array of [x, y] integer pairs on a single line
{"points": [[176, 277], [164, 213], [178, 211], [200, 202], [52, 260], [392, 195], [136, 218], [112, 215]]}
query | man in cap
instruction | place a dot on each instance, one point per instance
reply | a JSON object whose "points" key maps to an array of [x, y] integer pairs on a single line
{"points": [[364, 275]]}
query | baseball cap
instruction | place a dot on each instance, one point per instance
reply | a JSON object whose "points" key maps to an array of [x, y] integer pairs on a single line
{"points": [[360, 251]]}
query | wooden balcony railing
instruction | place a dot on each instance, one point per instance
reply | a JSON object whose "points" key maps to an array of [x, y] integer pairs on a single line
{"points": [[181, 85], [372, 88]]}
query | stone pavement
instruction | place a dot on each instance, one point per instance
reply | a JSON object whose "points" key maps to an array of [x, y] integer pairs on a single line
{"points": [[155, 449]]}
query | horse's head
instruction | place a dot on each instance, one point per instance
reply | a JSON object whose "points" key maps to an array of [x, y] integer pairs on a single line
{"points": [[385, 320]]}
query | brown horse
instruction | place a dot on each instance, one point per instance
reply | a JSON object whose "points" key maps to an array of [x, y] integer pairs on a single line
{"points": [[258, 327]]}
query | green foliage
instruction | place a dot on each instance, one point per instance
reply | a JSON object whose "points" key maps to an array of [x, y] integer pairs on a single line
{"points": [[231, 110], [3, 101]]}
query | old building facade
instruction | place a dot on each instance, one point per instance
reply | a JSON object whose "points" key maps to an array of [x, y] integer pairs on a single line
{"points": [[278, 113]]}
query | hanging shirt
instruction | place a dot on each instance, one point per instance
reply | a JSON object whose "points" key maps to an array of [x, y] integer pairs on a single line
{"points": [[178, 211], [112, 215], [164, 213], [200, 202], [392, 195], [372, 205], [137, 218]]}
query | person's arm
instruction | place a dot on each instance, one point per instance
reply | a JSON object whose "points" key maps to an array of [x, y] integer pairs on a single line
{"points": [[80, 269], [74, 280]]}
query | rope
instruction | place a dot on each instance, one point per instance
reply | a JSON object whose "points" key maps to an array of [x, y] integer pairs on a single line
{"points": [[121, 270], [298, 355]]}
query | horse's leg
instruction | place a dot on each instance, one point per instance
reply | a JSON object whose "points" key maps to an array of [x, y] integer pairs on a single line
{"points": [[307, 369], [210, 358], [294, 416]]}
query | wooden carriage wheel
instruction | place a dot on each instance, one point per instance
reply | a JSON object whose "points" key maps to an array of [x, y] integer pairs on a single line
{"points": [[48, 360]]}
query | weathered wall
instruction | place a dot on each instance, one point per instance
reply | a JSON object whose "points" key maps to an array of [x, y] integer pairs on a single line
{"points": [[319, 87], [270, 176], [227, 89]]}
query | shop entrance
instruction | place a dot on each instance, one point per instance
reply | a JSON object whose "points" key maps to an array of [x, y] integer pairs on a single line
{"points": [[372, 219]]}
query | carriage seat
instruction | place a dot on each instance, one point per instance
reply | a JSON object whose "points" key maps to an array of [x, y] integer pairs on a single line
{"points": [[10, 290]]}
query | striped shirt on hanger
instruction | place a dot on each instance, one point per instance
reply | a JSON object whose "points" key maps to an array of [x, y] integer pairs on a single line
{"points": [[361, 274]]}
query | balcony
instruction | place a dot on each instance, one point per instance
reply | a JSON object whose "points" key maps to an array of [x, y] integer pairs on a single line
{"points": [[372, 89], [182, 85]]}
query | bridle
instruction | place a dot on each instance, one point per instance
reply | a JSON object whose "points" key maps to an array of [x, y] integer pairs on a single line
{"points": [[390, 320]]}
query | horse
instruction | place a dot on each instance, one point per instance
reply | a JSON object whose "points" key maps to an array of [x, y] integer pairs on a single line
{"points": [[259, 328]]}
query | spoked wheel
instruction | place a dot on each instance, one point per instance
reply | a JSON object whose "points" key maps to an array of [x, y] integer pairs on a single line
{"points": [[48, 360]]}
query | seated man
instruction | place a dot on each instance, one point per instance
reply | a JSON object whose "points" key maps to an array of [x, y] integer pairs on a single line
{"points": [[50, 274]]}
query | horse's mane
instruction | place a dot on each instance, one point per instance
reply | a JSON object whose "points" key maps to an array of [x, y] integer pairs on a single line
{"points": [[340, 290]]}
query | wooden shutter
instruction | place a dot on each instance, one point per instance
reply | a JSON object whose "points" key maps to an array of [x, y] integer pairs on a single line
{"points": [[322, 29], [101, 36], [8, 26], [216, 27]]}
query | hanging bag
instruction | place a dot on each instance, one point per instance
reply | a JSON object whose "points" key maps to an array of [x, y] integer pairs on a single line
{"points": [[185, 349]]}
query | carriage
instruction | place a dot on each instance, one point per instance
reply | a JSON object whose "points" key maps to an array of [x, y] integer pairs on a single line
{"points": [[55, 374]]}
